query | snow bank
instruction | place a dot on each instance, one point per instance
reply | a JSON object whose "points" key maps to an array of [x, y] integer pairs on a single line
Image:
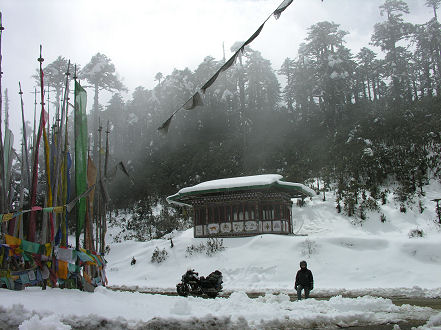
{"points": [[61, 309]]}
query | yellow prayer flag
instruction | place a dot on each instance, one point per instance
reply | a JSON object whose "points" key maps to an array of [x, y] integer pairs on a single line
{"points": [[48, 247], [11, 240], [62, 269], [7, 216], [58, 209]]}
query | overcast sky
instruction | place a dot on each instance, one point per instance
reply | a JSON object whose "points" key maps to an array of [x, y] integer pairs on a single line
{"points": [[143, 37]]}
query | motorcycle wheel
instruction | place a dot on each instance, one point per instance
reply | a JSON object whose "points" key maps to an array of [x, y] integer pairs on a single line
{"points": [[182, 289], [211, 294]]}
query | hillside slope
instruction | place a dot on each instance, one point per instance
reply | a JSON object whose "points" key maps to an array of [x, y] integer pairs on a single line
{"points": [[342, 256]]}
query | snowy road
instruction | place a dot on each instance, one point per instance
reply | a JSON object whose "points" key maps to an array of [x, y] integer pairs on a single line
{"points": [[107, 309], [434, 303]]}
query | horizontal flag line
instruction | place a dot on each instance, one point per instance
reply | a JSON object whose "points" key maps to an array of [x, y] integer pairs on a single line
{"points": [[53, 209], [196, 99]]}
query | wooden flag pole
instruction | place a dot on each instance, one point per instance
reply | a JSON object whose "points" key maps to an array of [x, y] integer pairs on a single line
{"points": [[2, 169], [26, 173]]}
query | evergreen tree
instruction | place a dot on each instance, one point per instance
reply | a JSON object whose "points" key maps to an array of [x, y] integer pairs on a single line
{"points": [[55, 76], [387, 35], [100, 74]]}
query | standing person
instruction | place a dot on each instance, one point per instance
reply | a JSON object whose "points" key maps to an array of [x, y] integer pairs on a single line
{"points": [[304, 281]]}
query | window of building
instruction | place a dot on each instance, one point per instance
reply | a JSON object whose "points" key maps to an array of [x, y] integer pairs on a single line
{"points": [[216, 213], [228, 213], [200, 216], [221, 213]]}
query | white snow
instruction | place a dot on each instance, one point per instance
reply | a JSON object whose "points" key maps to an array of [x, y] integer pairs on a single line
{"points": [[357, 265], [244, 181]]}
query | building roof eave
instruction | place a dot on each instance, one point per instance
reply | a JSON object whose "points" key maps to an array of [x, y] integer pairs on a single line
{"points": [[296, 190]]}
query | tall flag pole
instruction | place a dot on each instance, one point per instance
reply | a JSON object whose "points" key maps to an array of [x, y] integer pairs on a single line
{"points": [[47, 155], [66, 172], [7, 158], [100, 220], [34, 132], [59, 143], [196, 99], [80, 123], [26, 173], [43, 119], [2, 169]]}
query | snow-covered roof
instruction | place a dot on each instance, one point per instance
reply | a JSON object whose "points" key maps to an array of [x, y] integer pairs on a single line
{"points": [[240, 183]]}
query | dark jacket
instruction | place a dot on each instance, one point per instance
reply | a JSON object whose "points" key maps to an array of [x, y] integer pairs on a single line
{"points": [[304, 278]]}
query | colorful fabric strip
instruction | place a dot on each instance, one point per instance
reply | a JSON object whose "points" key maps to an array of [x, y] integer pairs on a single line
{"points": [[30, 246], [65, 254]]}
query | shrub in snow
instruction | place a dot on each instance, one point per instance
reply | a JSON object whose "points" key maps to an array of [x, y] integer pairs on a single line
{"points": [[194, 249], [403, 208], [421, 206], [214, 245], [159, 256], [308, 247], [416, 233], [383, 196], [211, 247]]}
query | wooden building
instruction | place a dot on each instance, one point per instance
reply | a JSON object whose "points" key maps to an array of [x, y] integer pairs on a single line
{"points": [[242, 206]]}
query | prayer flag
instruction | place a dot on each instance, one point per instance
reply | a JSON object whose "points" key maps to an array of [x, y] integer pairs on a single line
{"points": [[254, 36], [7, 216], [80, 124], [64, 227], [70, 206], [91, 181], [281, 8], [193, 102], [164, 127], [62, 269], [43, 119], [11, 240], [7, 159], [58, 209]]}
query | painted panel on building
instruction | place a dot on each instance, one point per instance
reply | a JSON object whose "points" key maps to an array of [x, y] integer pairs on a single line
{"points": [[198, 231], [266, 226], [238, 227], [277, 225], [225, 227], [213, 228], [251, 226]]}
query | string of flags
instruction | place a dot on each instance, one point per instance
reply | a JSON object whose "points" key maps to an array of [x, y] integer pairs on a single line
{"points": [[53, 209], [60, 262], [196, 99]]}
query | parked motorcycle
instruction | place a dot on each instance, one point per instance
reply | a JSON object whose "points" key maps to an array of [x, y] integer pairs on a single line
{"points": [[192, 284]]}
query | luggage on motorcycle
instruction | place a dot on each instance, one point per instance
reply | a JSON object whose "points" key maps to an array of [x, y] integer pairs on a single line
{"points": [[192, 284], [215, 280]]}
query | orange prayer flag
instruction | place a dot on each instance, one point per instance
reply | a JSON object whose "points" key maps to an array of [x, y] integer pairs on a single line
{"points": [[62, 269], [11, 240]]}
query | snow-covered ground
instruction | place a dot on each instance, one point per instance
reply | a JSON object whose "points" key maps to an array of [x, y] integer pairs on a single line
{"points": [[354, 264]]}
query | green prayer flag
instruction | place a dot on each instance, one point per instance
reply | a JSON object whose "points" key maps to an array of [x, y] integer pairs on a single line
{"points": [[72, 268], [83, 256], [31, 247], [80, 124]]}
